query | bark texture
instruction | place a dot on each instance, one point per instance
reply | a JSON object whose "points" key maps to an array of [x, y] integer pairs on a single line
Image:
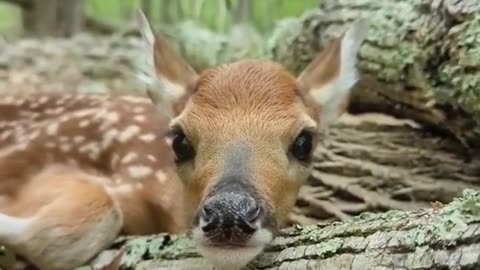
{"points": [[52, 17], [375, 163], [421, 59], [438, 238]]}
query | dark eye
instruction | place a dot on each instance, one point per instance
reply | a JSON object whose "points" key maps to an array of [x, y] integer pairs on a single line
{"points": [[182, 148], [301, 148]]}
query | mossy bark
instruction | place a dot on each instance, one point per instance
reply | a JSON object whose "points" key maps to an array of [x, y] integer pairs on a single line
{"points": [[445, 237], [421, 59]]}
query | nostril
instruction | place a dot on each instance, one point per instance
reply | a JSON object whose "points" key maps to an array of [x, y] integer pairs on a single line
{"points": [[207, 219], [206, 213], [253, 214], [208, 226]]}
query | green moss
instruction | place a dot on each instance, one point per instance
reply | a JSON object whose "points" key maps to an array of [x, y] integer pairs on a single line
{"points": [[327, 248], [135, 250], [452, 220], [177, 247]]}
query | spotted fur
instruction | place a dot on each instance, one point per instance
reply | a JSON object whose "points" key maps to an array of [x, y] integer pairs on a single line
{"points": [[77, 170]]}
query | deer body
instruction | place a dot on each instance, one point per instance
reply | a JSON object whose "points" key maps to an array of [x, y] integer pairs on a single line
{"points": [[104, 150], [221, 154]]}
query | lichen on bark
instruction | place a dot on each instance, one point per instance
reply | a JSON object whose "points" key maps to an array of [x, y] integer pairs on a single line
{"points": [[424, 55], [442, 237]]}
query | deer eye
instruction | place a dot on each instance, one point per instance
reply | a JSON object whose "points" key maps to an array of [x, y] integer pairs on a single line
{"points": [[302, 147], [181, 146]]}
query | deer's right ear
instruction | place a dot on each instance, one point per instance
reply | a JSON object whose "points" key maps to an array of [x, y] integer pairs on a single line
{"points": [[329, 78], [166, 73]]}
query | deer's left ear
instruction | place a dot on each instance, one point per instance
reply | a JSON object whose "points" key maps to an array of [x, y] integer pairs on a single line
{"points": [[332, 73]]}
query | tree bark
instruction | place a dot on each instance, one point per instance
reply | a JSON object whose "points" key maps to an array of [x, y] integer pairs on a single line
{"points": [[242, 11], [445, 237], [421, 59], [51, 17], [70, 17], [58, 19], [44, 18]]}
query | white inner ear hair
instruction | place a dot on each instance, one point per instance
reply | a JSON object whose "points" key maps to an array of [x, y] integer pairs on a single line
{"points": [[331, 95]]}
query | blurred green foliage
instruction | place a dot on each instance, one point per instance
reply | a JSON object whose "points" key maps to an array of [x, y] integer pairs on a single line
{"points": [[264, 12], [263, 15]]}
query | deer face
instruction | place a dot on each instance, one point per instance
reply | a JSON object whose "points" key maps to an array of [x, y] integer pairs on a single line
{"points": [[243, 134]]}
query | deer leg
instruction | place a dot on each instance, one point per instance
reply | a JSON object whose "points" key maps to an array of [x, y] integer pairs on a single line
{"points": [[60, 221]]}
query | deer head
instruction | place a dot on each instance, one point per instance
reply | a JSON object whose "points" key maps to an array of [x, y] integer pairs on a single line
{"points": [[243, 134]]}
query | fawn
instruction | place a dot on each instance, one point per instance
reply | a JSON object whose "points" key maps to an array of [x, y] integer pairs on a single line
{"points": [[220, 154]]}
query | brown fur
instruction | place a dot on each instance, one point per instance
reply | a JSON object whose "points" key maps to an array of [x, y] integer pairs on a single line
{"points": [[262, 107]]}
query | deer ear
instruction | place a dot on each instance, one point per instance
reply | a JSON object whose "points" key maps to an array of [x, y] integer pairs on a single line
{"points": [[165, 72], [332, 74]]}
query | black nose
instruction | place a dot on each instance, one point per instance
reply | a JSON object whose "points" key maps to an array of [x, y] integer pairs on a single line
{"points": [[230, 217]]}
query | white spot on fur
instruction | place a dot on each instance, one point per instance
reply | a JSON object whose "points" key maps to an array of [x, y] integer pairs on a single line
{"points": [[134, 99], [84, 123], [91, 149], [43, 100], [169, 141], [139, 171], [151, 158], [111, 118], [85, 112], [52, 129], [161, 176], [128, 133], [129, 157], [139, 118], [32, 136], [150, 137], [64, 118], [108, 138], [138, 109], [59, 110], [122, 189]]}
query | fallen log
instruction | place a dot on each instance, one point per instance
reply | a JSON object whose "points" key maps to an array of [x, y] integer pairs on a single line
{"points": [[420, 60], [441, 237]]}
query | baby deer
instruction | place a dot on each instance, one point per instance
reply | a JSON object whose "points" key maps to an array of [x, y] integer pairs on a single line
{"points": [[220, 154]]}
